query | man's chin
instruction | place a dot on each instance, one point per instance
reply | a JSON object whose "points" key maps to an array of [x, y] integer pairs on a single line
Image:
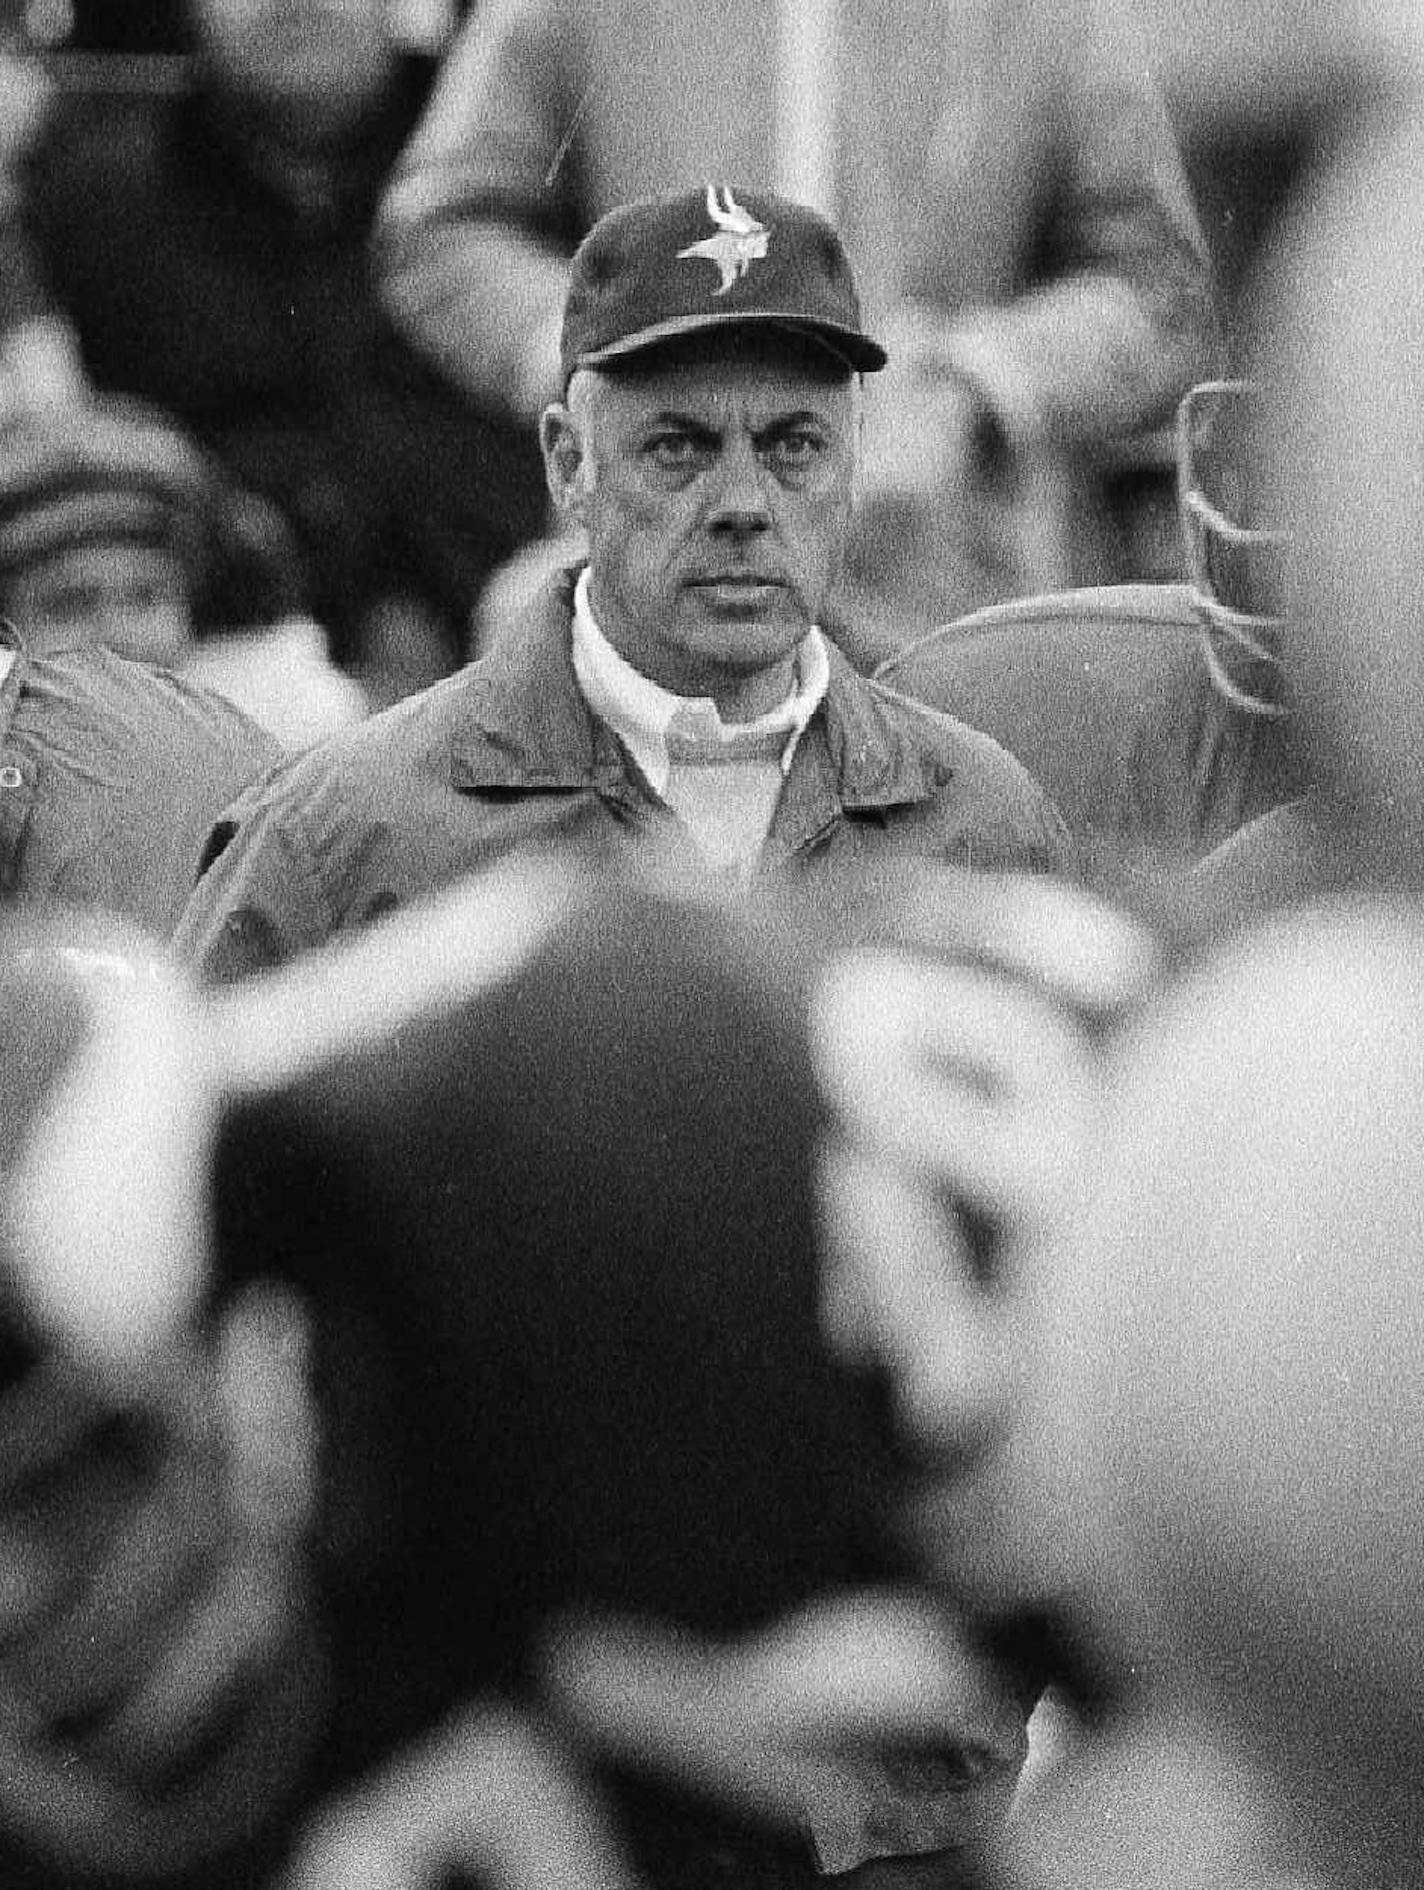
{"points": [[745, 628]]}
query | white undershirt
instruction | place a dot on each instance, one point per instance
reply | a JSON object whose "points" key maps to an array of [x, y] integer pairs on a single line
{"points": [[724, 795]]}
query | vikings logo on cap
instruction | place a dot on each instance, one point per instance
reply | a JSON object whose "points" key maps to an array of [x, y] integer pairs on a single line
{"points": [[740, 240], [774, 263]]}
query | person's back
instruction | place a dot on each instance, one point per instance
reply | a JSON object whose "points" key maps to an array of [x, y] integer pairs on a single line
{"points": [[1108, 698], [111, 775]]}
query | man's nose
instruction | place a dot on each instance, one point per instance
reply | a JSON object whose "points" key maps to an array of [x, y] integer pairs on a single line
{"points": [[740, 502]]}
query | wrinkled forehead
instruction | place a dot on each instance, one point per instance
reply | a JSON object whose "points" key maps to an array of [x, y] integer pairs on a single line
{"points": [[747, 376]]}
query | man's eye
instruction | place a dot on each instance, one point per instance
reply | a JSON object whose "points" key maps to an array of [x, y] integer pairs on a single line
{"points": [[674, 451], [797, 450]]}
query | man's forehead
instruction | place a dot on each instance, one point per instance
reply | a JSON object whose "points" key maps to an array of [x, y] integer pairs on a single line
{"points": [[721, 390]]}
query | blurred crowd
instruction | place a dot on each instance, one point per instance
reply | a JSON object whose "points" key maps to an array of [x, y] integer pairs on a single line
{"points": [[712, 998]]}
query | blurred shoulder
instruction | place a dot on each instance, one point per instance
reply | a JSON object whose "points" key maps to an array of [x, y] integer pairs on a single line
{"points": [[151, 709], [976, 761], [975, 788]]}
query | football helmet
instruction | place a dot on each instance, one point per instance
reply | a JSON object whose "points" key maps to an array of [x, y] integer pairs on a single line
{"points": [[1231, 564]]}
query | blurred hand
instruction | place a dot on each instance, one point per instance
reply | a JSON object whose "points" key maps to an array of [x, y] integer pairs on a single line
{"points": [[913, 539], [104, 1147], [958, 1060], [962, 502], [492, 1793], [776, 1723], [946, 442], [786, 1727], [41, 373]]}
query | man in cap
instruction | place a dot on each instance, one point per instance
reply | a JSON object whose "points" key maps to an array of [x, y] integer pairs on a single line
{"points": [[679, 687], [1005, 175]]}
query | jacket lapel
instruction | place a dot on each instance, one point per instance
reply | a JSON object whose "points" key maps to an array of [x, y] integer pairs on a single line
{"points": [[527, 729], [855, 757], [526, 725]]}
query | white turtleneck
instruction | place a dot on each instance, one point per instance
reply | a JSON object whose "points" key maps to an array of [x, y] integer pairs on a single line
{"points": [[721, 779]]}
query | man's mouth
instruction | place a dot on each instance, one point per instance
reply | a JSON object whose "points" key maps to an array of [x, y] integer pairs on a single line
{"points": [[745, 590], [737, 580]]}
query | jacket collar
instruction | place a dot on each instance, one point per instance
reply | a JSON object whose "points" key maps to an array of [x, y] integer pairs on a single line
{"points": [[526, 725], [870, 740]]}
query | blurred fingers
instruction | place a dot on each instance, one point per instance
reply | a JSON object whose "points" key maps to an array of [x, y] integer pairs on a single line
{"points": [[1043, 931], [954, 1073], [490, 1794]]}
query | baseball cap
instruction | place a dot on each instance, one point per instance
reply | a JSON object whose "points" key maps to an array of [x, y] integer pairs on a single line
{"points": [[652, 271]]}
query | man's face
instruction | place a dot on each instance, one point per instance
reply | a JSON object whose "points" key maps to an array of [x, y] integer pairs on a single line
{"points": [[715, 487], [132, 598]]}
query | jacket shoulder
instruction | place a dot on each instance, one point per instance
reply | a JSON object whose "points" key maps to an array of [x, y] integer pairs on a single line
{"points": [[156, 717], [365, 764]]}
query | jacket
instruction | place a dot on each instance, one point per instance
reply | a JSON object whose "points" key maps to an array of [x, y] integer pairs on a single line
{"points": [[111, 775], [506, 755]]}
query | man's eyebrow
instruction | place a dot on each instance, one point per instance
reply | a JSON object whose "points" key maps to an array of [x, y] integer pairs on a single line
{"points": [[700, 427], [798, 417], [686, 422]]}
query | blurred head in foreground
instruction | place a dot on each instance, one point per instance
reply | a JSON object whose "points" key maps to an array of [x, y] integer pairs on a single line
{"points": [[1224, 1410], [559, 1242], [1327, 330]]}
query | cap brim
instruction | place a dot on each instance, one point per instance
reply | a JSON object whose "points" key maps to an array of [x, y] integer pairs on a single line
{"points": [[859, 353]]}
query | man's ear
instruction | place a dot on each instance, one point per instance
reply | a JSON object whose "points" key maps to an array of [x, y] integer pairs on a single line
{"points": [[565, 463]]}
